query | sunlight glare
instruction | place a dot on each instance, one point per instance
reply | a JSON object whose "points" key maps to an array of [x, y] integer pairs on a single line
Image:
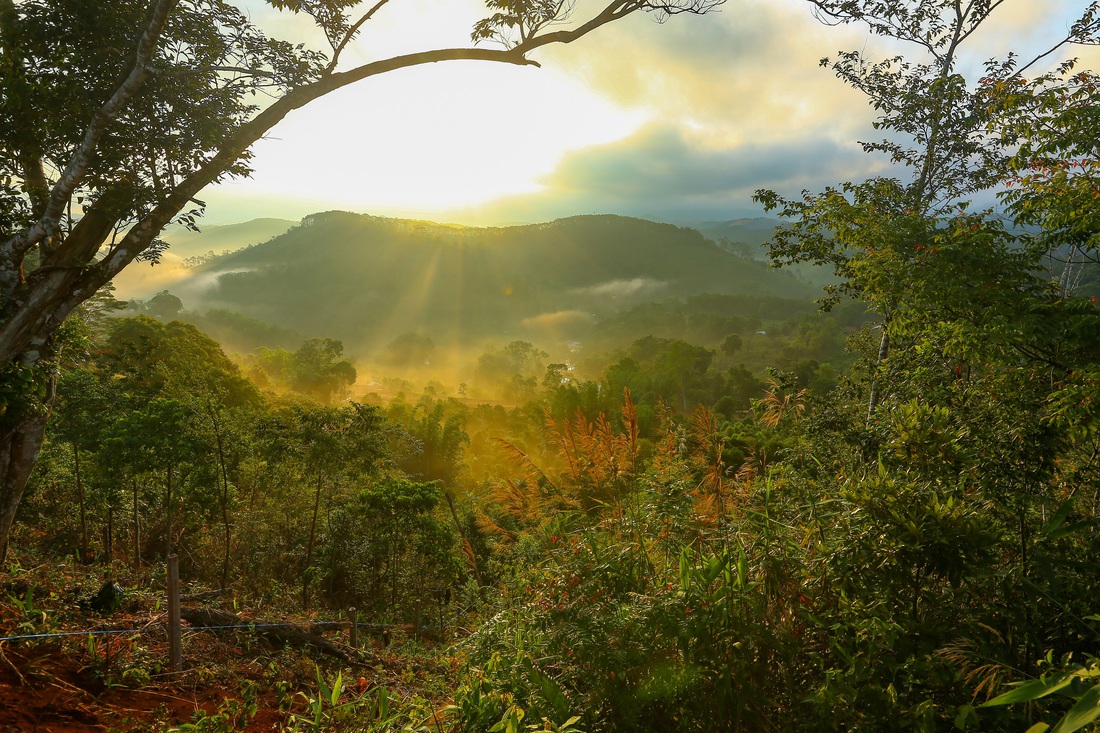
{"points": [[428, 139]]}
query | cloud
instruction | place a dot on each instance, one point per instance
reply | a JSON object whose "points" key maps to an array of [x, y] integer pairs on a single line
{"points": [[616, 288], [750, 71], [719, 106], [664, 161], [664, 171]]}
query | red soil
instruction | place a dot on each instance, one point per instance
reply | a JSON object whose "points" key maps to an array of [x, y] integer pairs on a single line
{"points": [[46, 689]]}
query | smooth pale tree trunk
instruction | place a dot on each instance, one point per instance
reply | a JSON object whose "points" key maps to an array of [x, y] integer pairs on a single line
{"points": [[883, 353], [20, 443]]}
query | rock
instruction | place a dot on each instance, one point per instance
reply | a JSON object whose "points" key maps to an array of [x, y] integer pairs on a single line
{"points": [[108, 599]]}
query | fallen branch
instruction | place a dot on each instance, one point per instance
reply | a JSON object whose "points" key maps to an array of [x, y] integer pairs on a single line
{"points": [[206, 595], [278, 634], [22, 680]]}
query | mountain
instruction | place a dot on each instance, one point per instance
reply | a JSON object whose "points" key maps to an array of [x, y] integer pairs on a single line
{"points": [[366, 279]]}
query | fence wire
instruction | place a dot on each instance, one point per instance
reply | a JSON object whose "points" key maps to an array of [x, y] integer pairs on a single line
{"points": [[242, 627]]}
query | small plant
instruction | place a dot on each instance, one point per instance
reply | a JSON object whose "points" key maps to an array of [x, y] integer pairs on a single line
{"points": [[32, 620], [512, 722], [232, 714], [371, 710]]}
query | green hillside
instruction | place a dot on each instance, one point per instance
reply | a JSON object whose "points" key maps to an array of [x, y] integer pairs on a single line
{"points": [[367, 279]]}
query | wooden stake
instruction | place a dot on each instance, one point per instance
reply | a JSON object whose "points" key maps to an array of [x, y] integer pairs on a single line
{"points": [[353, 630], [175, 643]]}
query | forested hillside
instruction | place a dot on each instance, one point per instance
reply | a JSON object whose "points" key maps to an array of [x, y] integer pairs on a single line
{"points": [[366, 280]]}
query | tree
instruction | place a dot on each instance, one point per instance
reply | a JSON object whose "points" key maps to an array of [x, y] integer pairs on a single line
{"points": [[978, 437], [317, 369], [328, 445], [389, 554], [164, 305], [81, 407], [156, 437], [410, 350], [731, 345], [116, 116], [877, 234]]}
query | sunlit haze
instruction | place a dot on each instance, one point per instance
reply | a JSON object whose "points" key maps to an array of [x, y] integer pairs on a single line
{"points": [[678, 121]]}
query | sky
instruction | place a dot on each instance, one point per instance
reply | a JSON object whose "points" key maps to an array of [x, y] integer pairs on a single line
{"points": [[677, 121]]}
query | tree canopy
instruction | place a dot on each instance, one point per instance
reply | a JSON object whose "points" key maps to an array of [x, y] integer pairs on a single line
{"points": [[116, 116]]}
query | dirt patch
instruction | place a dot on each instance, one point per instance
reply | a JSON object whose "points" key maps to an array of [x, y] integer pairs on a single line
{"points": [[51, 690]]}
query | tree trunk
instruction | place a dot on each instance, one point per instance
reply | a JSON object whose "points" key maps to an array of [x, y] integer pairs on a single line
{"points": [[80, 500], [447, 494], [225, 495], [168, 541], [137, 528], [309, 545], [20, 443], [883, 352]]}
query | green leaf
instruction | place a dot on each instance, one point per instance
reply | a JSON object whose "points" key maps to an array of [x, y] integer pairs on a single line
{"points": [[1032, 690], [1084, 712], [1058, 518], [965, 716], [1038, 728], [337, 688], [552, 693], [1069, 529]]}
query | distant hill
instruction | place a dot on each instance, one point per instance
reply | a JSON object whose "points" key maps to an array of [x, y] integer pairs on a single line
{"points": [[366, 280], [752, 231], [143, 280], [221, 237]]}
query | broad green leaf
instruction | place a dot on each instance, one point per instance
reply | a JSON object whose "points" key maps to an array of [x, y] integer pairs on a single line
{"points": [[1032, 690], [1058, 518], [1059, 533], [551, 691], [966, 715], [1084, 712]]}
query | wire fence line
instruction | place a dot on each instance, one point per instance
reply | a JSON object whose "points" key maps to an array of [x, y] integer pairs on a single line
{"points": [[243, 627]]}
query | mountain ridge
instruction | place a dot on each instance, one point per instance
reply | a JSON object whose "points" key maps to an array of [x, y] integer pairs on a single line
{"points": [[366, 279]]}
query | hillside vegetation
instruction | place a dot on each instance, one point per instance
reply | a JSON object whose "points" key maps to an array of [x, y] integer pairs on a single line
{"points": [[366, 280]]}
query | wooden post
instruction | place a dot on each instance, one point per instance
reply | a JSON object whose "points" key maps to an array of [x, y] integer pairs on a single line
{"points": [[175, 645], [353, 630]]}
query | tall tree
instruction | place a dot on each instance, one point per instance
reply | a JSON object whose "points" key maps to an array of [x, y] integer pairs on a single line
{"points": [[116, 115], [938, 125]]}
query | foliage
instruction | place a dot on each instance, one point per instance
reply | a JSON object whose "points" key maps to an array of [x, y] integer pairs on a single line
{"points": [[389, 556], [682, 542], [1077, 681]]}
